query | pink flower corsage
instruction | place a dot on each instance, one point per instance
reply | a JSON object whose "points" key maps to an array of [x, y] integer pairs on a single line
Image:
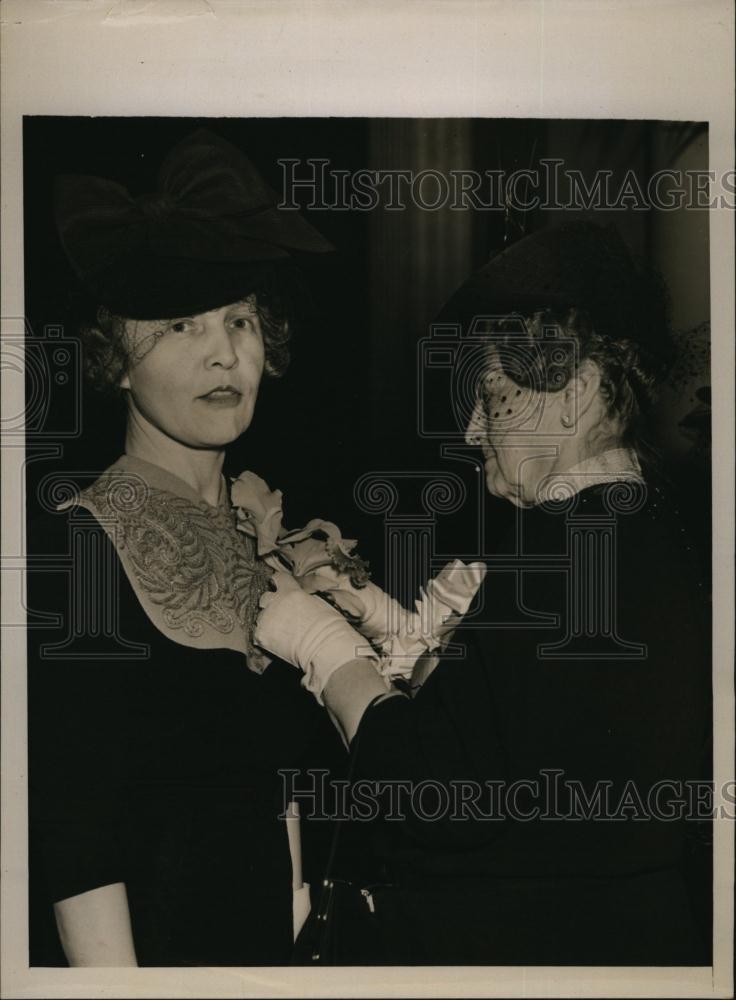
{"points": [[323, 562], [305, 551]]}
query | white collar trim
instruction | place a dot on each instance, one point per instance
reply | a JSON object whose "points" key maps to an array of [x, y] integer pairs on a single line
{"points": [[614, 465]]}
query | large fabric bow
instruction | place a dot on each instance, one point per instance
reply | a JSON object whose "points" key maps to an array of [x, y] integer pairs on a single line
{"points": [[211, 205]]}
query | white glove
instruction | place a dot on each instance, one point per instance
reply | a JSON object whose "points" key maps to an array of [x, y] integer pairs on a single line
{"points": [[447, 597], [308, 633], [404, 636], [301, 906], [374, 613], [444, 601]]}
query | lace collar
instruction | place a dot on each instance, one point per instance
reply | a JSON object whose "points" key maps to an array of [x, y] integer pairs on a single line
{"points": [[613, 465], [195, 575], [157, 478]]}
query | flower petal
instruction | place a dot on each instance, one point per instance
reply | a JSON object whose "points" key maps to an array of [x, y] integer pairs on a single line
{"points": [[259, 510]]}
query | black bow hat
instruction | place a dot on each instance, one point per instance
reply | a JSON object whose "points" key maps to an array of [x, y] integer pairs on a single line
{"points": [[577, 264], [196, 244]]}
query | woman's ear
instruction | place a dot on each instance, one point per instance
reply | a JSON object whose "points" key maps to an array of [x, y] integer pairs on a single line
{"points": [[124, 382], [580, 392]]}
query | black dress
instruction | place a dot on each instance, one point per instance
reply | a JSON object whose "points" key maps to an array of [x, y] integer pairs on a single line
{"points": [[156, 764], [505, 878]]}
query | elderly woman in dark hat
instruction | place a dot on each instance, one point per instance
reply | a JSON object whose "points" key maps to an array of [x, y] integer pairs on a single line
{"points": [[553, 760], [155, 818]]}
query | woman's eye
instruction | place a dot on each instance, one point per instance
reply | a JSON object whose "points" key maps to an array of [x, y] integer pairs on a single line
{"points": [[242, 322], [180, 326]]}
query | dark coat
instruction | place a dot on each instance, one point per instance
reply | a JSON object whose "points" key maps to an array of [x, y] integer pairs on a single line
{"points": [[532, 701], [156, 764]]}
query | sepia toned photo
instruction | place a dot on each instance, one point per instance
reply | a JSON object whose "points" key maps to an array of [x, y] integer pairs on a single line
{"points": [[366, 482]]}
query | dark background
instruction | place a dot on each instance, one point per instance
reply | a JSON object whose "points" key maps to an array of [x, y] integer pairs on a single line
{"points": [[348, 404]]}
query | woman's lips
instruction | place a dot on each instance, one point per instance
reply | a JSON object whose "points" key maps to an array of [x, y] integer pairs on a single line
{"points": [[226, 396]]}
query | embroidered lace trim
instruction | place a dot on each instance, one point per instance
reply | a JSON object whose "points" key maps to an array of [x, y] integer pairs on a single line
{"points": [[188, 558]]}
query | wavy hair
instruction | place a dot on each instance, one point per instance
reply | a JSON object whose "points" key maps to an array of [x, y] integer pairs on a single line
{"points": [[107, 357], [633, 352]]}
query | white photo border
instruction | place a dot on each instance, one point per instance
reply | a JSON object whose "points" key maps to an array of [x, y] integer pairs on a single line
{"points": [[648, 59]]}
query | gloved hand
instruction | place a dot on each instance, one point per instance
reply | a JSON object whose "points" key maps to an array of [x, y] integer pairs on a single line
{"points": [[306, 632], [372, 611], [404, 636], [447, 597]]}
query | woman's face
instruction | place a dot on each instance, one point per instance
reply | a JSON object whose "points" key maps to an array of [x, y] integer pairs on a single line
{"points": [[518, 431], [195, 379]]}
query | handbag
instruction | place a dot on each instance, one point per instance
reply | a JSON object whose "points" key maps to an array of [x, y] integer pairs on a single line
{"points": [[344, 928]]}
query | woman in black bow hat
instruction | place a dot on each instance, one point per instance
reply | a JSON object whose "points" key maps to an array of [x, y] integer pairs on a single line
{"points": [[546, 773], [155, 797]]}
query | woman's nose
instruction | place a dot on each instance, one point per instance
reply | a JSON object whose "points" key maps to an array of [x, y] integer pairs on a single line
{"points": [[220, 349], [476, 428]]}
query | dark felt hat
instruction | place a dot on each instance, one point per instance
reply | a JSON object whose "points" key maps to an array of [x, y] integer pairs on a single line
{"points": [[201, 241], [577, 264]]}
